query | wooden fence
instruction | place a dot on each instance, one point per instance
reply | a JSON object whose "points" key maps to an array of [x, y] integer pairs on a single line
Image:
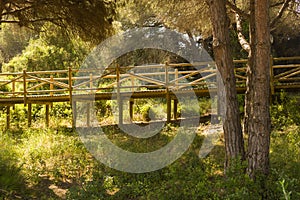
{"points": [[117, 83]]}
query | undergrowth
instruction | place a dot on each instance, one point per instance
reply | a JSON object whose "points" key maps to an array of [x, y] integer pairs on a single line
{"points": [[53, 163]]}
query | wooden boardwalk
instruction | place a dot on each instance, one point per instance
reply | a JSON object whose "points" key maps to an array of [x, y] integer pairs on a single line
{"points": [[133, 82]]}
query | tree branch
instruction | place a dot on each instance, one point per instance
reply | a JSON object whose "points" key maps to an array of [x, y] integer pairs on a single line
{"points": [[280, 12], [277, 4], [237, 10], [16, 11], [242, 40], [30, 21]]}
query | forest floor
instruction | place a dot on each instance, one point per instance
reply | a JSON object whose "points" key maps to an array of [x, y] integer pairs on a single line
{"points": [[53, 163]]}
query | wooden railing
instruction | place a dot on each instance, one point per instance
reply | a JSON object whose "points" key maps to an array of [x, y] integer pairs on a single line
{"points": [[138, 78], [63, 85]]}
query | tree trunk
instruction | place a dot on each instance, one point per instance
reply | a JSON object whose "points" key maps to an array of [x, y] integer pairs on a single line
{"points": [[257, 113], [234, 143]]}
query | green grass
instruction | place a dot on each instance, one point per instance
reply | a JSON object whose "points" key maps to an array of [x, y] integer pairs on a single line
{"points": [[52, 163]]}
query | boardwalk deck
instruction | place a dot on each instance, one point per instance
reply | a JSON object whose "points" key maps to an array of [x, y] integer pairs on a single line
{"points": [[133, 82]]}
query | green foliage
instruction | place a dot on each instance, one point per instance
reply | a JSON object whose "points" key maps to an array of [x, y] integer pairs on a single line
{"points": [[11, 179], [48, 154], [285, 111], [51, 51], [36, 156], [13, 40], [61, 110], [92, 20]]}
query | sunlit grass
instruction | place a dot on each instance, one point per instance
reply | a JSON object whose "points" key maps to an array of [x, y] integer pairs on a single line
{"points": [[45, 163]]}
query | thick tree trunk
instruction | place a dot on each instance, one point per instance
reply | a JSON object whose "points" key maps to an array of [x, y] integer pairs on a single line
{"points": [[257, 113], [234, 143]]}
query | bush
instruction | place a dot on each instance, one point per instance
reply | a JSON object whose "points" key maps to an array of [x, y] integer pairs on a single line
{"points": [[11, 179], [285, 111]]}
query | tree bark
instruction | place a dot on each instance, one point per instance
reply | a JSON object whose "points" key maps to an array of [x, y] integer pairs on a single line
{"points": [[257, 113], [234, 143]]}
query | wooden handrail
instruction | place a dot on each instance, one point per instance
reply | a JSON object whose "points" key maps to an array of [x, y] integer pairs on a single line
{"points": [[173, 75]]}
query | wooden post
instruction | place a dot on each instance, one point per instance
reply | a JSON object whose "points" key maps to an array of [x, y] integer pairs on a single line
{"points": [[74, 114], [175, 108], [89, 104], [131, 103], [51, 85], [7, 117], [47, 115], [51, 88], [119, 100], [13, 88], [70, 97], [168, 96], [70, 83], [176, 79], [24, 87], [271, 78], [29, 117]]}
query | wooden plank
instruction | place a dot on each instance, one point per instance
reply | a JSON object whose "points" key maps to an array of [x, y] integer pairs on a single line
{"points": [[60, 84], [287, 58], [184, 77], [150, 80], [286, 73], [286, 66], [241, 77], [198, 80], [290, 75], [46, 91], [37, 86], [13, 80], [48, 72], [24, 86]]}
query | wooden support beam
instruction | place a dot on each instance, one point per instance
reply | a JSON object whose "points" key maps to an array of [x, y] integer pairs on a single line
{"points": [[90, 104], [29, 115], [70, 84], [131, 103], [13, 88], [73, 104], [24, 87], [175, 108], [74, 114], [176, 79], [51, 89], [47, 115], [7, 117], [169, 104], [119, 100], [88, 114], [272, 76], [168, 96]]}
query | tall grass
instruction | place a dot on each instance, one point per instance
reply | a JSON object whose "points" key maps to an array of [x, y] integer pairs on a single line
{"points": [[39, 162]]}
